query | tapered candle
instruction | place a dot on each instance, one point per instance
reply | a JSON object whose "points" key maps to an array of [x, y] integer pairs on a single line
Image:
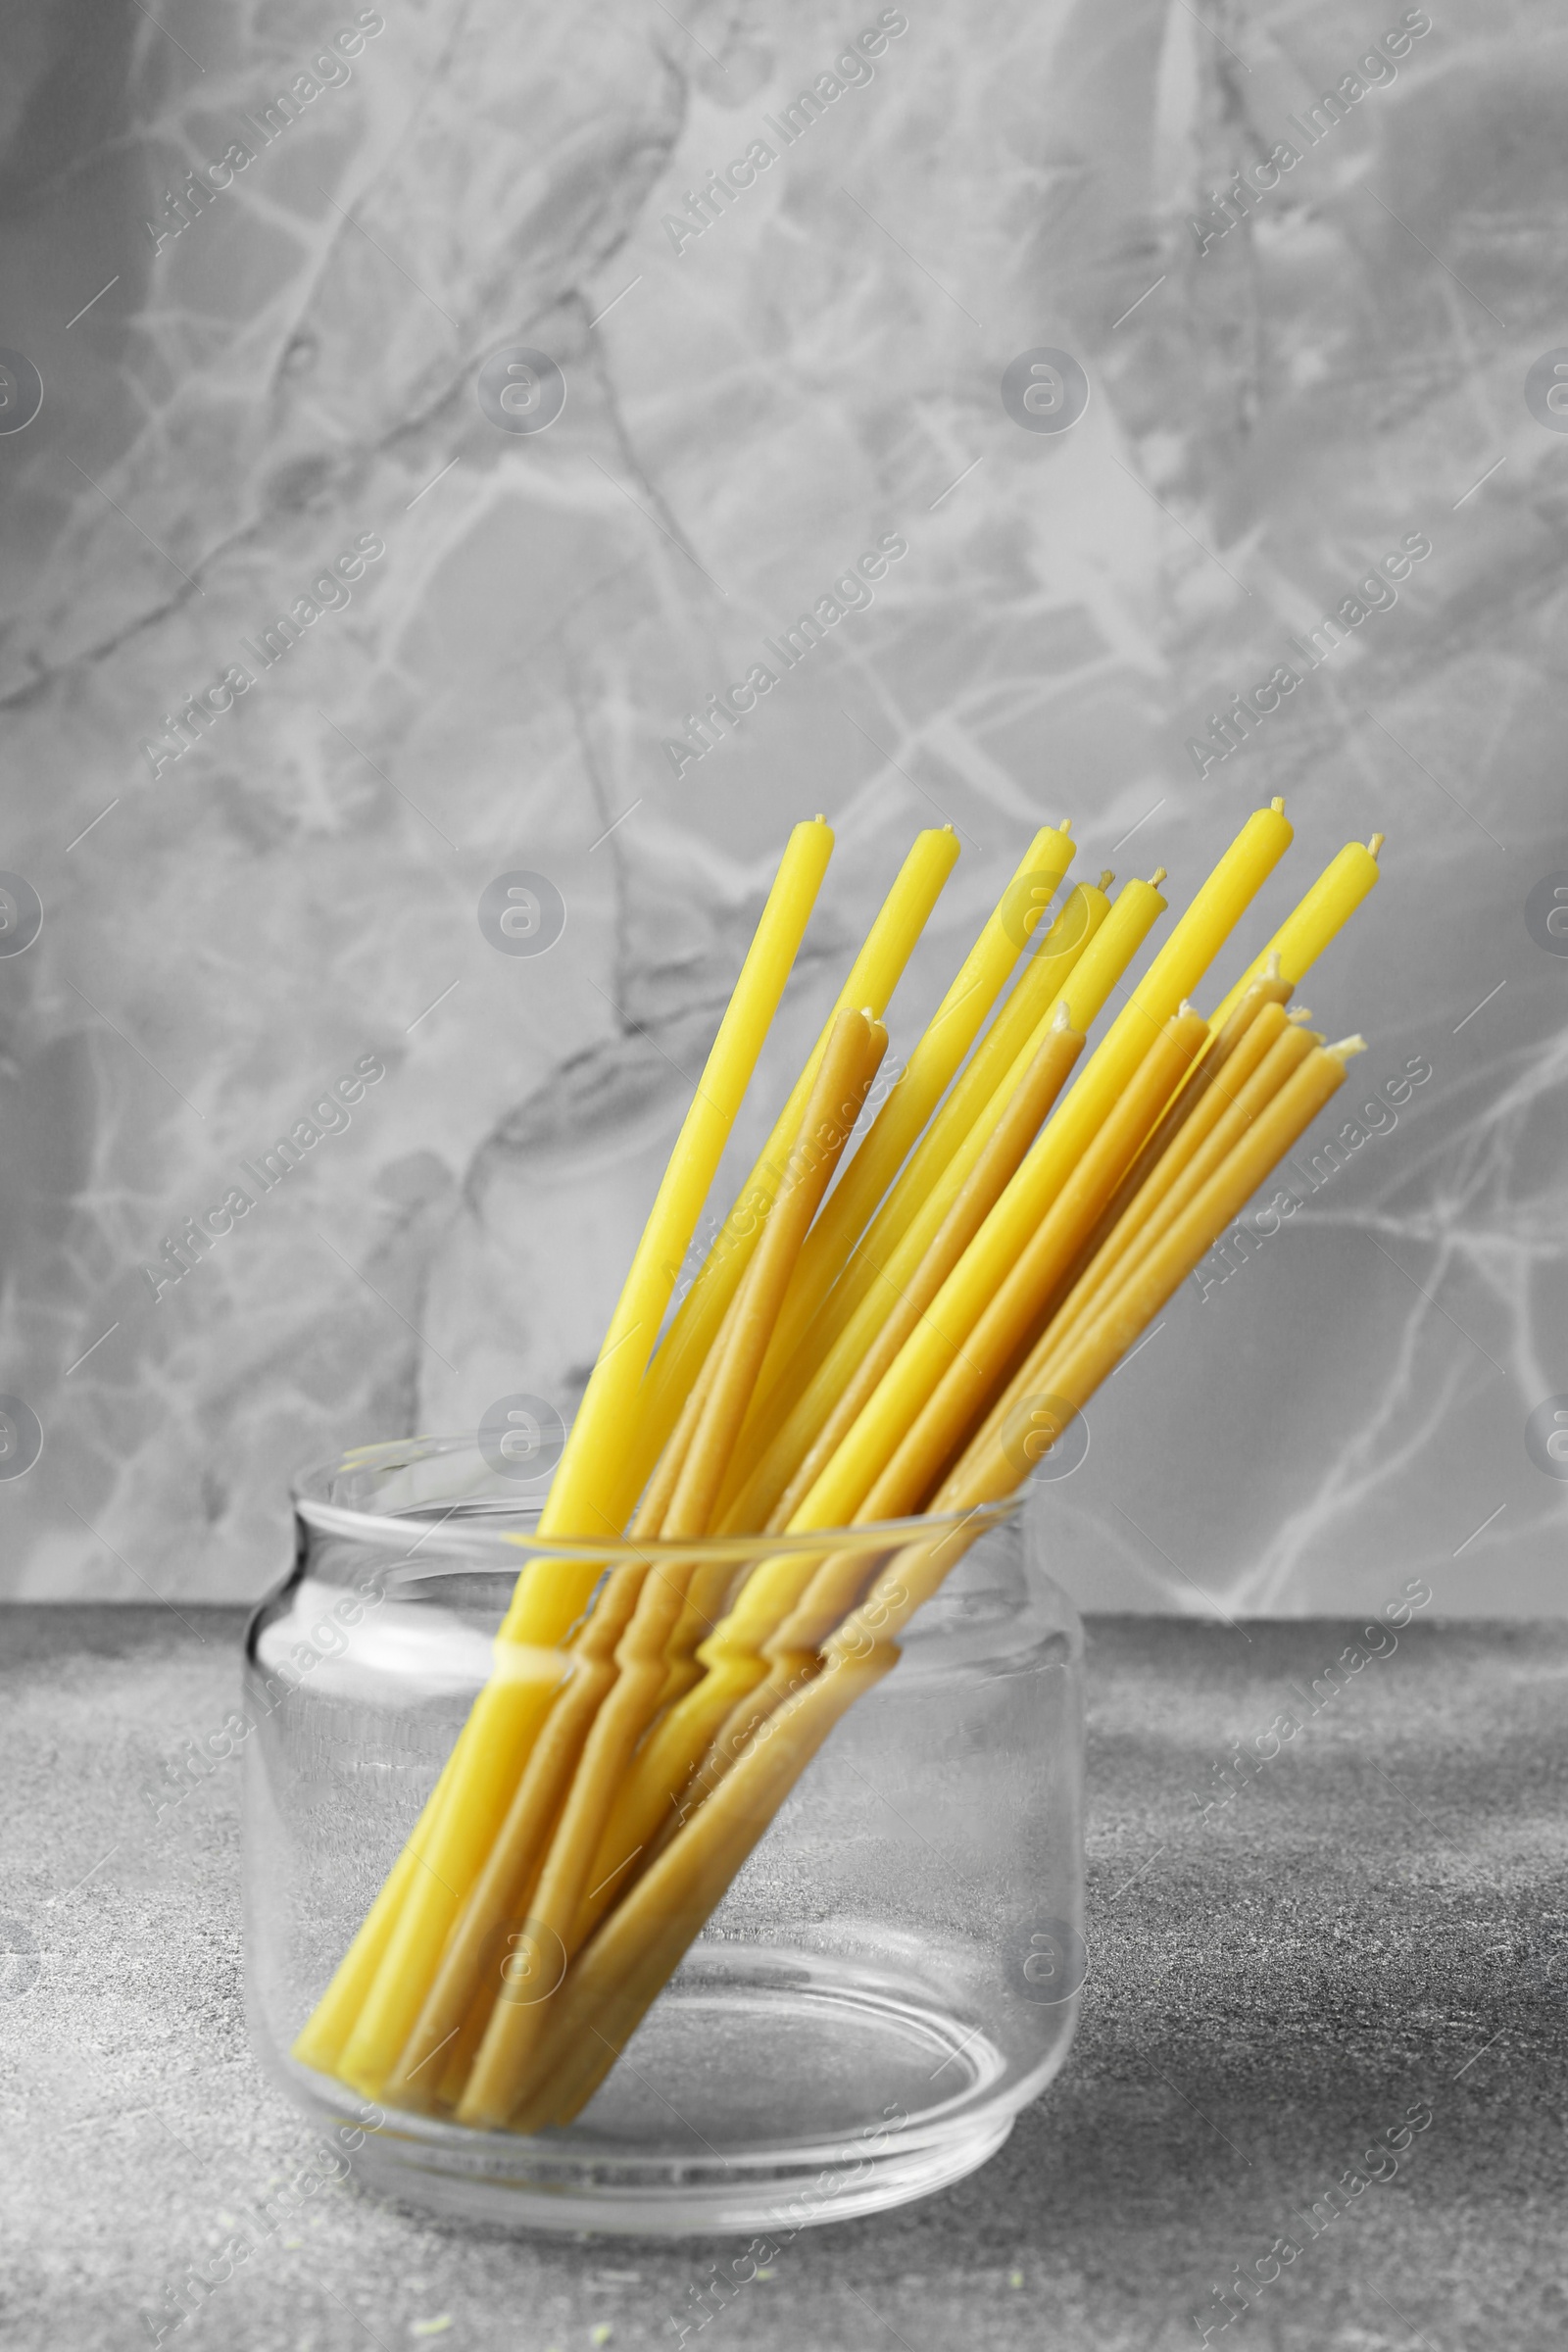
{"points": [[1252, 1030], [543, 1609], [873, 979], [1321, 915], [550, 1596]]}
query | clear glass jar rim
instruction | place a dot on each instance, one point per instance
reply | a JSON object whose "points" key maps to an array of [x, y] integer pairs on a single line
{"points": [[500, 1547]]}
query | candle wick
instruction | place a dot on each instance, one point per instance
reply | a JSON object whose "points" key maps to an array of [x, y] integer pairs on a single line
{"points": [[1278, 807], [1300, 1013], [1376, 844], [1065, 826], [1271, 969], [1348, 1047], [1107, 877], [1157, 877]]}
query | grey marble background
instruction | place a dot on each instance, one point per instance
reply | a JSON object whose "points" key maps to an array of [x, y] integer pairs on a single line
{"points": [[231, 409]]}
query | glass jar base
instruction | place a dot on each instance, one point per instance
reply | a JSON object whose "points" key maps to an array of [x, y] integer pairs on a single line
{"points": [[546, 2193], [770, 2088]]}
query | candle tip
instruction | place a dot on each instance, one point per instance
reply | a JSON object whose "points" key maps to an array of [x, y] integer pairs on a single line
{"points": [[1376, 844], [1157, 877], [1278, 807], [1107, 877], [1348, 1047]]}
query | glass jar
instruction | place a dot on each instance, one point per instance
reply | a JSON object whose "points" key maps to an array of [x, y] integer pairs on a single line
{"points": [[892, 1975]]}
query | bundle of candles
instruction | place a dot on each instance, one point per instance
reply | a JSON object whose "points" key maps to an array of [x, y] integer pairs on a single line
{"points": [[900, 1345]]}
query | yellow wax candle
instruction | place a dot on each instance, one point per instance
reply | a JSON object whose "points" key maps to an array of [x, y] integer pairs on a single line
{"points": [[550, 1596], [1196, 1100], [873, 979], [541, 1609], [949, 1034], [1080, 981], [1324, 912]]}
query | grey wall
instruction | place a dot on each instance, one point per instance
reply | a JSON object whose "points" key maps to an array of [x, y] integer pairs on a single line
{"points": [[1271, 412]]}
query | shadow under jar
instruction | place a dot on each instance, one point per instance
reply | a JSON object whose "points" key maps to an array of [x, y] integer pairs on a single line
{"points": [[891, 1976]]}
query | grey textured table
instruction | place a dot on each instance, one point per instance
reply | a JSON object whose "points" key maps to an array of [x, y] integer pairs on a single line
{"points": [[1380, 1922]]}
